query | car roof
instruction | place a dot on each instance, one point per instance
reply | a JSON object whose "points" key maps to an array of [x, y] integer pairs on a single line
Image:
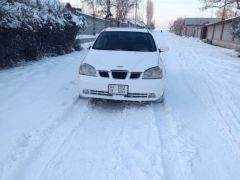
{"points": [[126, 29]]}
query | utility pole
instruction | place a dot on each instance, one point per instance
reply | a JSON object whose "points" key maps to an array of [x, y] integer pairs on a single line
{"points": [[223, 18], [136, 7], [108, 7], [211, 10], [94, 24], [224, 10]]}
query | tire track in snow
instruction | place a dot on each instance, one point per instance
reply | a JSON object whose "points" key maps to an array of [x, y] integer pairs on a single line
{"points": [[53, 139], [203, 126], [126, 150], [224, 111], [140, 149], [218, 96], [71, 152], [177, 150], [108, 140]]}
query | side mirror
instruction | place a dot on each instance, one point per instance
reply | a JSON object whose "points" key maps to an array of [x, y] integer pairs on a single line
{"points": [[163, 49], [89, 47]]}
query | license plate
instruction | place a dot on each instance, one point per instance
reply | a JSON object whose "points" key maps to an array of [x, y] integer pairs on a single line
{"points": [[117, 89]]}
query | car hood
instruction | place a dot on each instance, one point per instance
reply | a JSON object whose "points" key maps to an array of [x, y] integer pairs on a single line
{"points": [[121, 60]]}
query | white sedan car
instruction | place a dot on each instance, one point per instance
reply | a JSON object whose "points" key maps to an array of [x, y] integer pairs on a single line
{"points": [[123, 64]]}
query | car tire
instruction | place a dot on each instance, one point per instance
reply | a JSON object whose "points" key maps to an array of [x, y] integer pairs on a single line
{"points": [[161, 99]]}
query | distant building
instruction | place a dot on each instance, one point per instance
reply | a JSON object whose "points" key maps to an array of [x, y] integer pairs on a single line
{"points": [[195, 27], [94, 24], [221, 33], [139, 24]]}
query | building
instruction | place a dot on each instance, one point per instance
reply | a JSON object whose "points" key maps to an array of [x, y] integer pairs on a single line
{"points": [[94, 25], [138, 24], [221, 34], [195, 27]]}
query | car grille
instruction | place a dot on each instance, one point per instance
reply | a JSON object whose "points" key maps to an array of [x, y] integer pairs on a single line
{"points": [[118, 74], [101, 93], [129, 95], [104, 74], [135, 75], [137, 95]]}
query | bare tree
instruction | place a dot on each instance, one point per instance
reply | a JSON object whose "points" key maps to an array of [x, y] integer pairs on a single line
{"points": [[229, 12], [122, 8], [220, 3], [178, 26], [93, 5], [150, 11], [136, 2], [104, 8]]}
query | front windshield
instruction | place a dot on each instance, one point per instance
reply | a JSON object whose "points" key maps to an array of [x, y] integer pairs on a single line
{"points": [[125, 41]]}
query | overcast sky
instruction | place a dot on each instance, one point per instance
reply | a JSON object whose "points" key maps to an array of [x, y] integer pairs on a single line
{"points": [[168, 10]]}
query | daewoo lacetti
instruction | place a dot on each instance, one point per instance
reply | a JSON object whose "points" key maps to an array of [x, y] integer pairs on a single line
{"points": [[123, 64]]}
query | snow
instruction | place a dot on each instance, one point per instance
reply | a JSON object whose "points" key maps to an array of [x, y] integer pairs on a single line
{"points": [[138, 23], [129, 29], [84, 36], [24, 15], [47, 133]]}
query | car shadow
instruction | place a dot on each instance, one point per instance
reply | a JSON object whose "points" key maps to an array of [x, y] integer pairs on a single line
{"points": [[113, 105]]}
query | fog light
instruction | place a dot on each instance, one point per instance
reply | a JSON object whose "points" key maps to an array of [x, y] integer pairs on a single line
{"points": [[151, 95], [85, 91]]}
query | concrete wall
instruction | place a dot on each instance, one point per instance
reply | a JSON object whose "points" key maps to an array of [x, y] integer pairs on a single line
{"points": [[223, 35], [210, 32], [100, 24], [230, 45], [190, 30], [198, 32], [227, 33], [217, 32]]}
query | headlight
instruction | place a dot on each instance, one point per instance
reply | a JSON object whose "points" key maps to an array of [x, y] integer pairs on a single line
{"points": [[87, 70], [153, 73]]}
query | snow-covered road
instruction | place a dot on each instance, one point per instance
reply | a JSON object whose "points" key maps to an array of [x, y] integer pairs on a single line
{"points": [[47, 133]]}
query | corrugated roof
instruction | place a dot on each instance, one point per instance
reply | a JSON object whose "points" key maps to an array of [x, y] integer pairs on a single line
{"points": [[200, 21], [226, 20]]}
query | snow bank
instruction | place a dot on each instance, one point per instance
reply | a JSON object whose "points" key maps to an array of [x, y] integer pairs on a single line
{"points": [[29, 31], [21, 15]]}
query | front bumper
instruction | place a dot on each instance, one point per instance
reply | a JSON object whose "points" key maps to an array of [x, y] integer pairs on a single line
{"points": [[139, 89]]}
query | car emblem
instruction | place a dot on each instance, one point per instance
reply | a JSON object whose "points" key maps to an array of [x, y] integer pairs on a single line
{"points": [[120, 66]]}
